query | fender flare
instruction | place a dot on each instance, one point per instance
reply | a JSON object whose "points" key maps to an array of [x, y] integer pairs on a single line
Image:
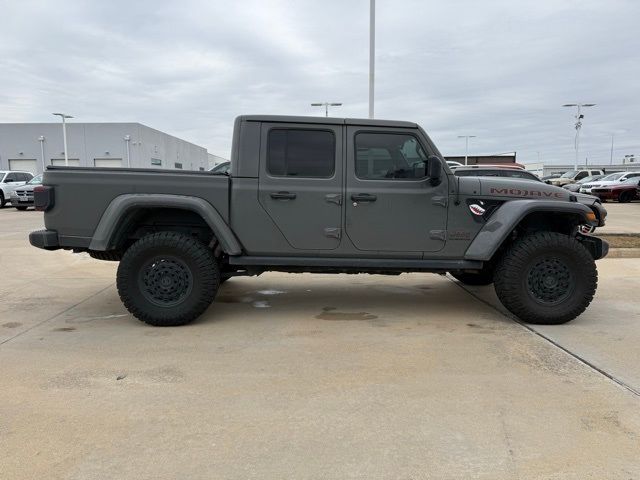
{"points": [[104, 235], [507, 217]]}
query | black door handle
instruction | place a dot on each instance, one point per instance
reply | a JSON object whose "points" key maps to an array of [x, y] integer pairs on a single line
{"points": [[283, 196], [363, 197]]}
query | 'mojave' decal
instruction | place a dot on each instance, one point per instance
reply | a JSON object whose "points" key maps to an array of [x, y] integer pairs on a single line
{"points": [[518, 192]]}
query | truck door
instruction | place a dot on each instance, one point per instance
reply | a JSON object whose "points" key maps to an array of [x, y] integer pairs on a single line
{"points": [[300, 184], [391, 206]]}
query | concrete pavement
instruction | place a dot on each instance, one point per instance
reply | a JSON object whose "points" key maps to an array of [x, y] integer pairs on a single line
{"points": [[309, 376]]}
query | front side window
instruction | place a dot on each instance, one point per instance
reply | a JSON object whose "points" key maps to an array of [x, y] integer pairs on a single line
{"points": [[301, 153], [581, 175], [389, 156]]}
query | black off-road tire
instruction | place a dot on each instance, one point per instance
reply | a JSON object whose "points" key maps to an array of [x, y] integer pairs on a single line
{"points": [[546, 278], [167, 279], [482, 277], [22, 209]]}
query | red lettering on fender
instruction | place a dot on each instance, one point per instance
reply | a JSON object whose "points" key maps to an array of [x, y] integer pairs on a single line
{"points": [[516, 192]]}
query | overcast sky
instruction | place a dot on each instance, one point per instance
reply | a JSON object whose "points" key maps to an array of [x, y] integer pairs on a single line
{"points": [[496, 69]]}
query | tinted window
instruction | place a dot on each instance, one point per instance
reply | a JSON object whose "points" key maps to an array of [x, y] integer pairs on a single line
{"points": [[389, 156], [11, 177], [581, 175], [301, 153]]}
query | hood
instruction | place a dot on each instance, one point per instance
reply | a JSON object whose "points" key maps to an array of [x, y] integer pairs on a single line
{"points": [[528, 189]]}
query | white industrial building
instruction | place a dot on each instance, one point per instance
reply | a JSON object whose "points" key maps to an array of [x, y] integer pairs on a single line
{"points": [[34, 146]]}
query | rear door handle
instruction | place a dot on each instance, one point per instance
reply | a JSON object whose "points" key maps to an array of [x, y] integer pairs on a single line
{"points": [[363, 197], [283, 196]]}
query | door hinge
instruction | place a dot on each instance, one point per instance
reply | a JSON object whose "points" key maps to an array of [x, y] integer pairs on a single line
{"points": [[333, 232], [438, 235], [334, 198], [440, 201]]}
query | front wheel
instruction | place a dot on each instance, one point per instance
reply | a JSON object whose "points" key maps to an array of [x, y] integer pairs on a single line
{"points": [[625, 197], [546, 278], [22, 209], [167, 279]]}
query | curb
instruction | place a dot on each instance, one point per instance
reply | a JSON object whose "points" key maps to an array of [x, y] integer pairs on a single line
{"points": [[623, 253]]}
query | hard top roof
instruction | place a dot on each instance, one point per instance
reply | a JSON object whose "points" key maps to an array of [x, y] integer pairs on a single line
{"points": [[326, 120]]}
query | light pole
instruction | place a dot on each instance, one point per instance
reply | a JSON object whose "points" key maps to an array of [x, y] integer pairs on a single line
{"points": [[611, 157], [41, 140], [372, 53], [127, 139], [64, 116], [326, 106], [466, 145], [578, 126]]}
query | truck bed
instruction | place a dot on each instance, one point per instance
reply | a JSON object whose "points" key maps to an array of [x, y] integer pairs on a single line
{"points": [[87, 192]]}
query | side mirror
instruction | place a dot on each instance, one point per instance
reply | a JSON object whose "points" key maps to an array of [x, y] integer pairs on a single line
{"points": [[434, 169]]}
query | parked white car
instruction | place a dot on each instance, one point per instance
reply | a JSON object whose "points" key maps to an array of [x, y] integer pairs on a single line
{"points": [[611, 179], [9, 181]]}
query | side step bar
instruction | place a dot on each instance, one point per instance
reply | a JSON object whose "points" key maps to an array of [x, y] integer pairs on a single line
{"points": [[373, 263]]}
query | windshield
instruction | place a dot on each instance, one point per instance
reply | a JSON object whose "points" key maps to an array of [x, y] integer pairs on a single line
{"points": [[569, 174], [37, 180], [589, 179], [612, 176]]}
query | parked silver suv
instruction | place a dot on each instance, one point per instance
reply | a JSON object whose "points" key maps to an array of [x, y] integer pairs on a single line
{"points": [[22, 197], [9, 181]]}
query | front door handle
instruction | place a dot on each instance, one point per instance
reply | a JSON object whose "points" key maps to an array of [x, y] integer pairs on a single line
{"points": [[363, 197], [283, 196]]}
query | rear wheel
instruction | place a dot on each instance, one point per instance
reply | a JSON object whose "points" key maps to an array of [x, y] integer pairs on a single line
{"points": [[167, 279], [546, 278], [3, 201], [21, 208]]}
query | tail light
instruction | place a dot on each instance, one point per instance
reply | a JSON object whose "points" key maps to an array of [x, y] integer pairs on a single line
{"points": [[43, 198]]}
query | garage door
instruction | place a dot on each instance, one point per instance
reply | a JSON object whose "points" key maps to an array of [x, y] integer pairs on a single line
{"points": [[59, 162], [23, 164], [107, 162]]}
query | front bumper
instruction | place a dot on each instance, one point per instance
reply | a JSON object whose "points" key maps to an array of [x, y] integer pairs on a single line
{"points": [[598, 247], [45, 239]]}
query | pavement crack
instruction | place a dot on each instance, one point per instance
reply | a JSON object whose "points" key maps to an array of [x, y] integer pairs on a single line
{"points": [[579, 358], [93, 295]]}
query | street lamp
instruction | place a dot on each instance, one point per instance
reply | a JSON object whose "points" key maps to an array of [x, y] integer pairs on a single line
{"points": [[64, 116], [326, 106], [578, 126], [466, 145], [372, 53]]}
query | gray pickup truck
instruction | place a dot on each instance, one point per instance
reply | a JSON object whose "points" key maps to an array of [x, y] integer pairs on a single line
{"points": [[324, 195]]}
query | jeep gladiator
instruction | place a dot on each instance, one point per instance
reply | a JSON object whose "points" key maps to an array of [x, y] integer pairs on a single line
{"points": [[324, 195]]}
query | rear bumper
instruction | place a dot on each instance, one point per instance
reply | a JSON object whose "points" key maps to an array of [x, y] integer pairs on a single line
{"points": [[45, 239]]}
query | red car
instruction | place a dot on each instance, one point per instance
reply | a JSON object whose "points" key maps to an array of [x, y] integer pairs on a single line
{"points": [[623, 192]]}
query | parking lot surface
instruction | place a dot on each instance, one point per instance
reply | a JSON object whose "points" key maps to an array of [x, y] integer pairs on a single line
{"points": [[309, 376]]}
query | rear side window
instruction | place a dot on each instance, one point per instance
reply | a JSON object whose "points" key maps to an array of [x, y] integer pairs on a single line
{"points": [[301, 153]]}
